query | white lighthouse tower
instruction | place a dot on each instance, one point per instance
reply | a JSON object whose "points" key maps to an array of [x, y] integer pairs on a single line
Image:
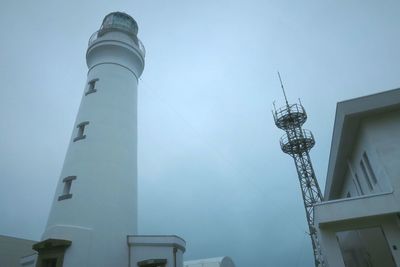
{"points": [[95, 204]]}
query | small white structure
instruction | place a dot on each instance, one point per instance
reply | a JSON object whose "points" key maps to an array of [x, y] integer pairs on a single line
{"points": [[156, 251], [211, 262], [359, 222]]}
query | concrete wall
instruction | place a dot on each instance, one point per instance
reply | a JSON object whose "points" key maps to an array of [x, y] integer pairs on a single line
{"points": [[12, 249], [376, 138], [383, 135]]}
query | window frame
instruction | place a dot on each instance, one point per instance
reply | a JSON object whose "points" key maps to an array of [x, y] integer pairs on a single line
{"points": [[366, 176], [371, 172], [66, 193], [91, 86], [81, 131]]}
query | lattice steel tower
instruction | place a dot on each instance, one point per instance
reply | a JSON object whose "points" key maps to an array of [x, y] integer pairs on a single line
{"points": [[297, 142]]}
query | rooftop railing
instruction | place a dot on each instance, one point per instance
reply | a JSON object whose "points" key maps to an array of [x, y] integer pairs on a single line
{"points": [[290, 116], [135, 41], [297, 142]]}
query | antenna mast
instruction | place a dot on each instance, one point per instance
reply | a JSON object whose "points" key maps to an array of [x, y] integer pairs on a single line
{"points": [[297, 142], [283, 88]]}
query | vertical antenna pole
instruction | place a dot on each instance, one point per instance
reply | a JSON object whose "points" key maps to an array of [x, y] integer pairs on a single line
{"points": [[283, 89]]}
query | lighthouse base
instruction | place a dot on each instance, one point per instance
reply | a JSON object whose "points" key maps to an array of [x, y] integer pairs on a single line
{"points": [[51, 252]]}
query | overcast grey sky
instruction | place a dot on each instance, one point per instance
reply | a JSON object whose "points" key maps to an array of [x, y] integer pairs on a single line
{"points": [[210, 166]]}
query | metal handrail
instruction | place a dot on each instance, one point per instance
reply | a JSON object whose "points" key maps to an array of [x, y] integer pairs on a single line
{"points": [[290, 116], [297, 142], [135, 41], [303, 134], [293, 108]]}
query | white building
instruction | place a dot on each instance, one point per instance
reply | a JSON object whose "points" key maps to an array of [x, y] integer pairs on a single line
{"points": [[211, 262], [359, 221]]}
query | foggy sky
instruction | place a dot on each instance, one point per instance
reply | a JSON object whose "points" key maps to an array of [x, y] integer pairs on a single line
{"points": [[210, 166]]}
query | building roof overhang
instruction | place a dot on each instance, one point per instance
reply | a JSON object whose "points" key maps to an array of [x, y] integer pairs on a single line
{"points": [[349, 113]]}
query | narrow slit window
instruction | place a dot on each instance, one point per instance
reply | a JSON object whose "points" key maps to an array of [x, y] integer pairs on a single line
{"points": [[369, 168], [81, 131], [91, 87], [358, 183], [356, 187], [366, 175], [66, 194]]}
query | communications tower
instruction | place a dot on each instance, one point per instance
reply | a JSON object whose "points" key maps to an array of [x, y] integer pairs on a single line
{"points": [[297, 142]]}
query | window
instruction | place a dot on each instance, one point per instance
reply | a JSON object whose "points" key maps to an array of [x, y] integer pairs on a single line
{"points": [[91, 87], [365, 247], [355, 179], [366, 176], [152, 263], [369, 168], [67, 188], [358, 183], [81, 129]]}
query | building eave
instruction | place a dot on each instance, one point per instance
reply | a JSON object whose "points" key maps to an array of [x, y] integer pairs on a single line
{"points": [[347, 120]]}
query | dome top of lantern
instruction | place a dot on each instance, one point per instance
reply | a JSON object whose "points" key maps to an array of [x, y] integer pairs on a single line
{"points": [[119, 21]]}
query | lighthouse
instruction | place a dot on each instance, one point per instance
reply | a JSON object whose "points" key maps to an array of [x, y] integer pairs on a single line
{"points": [[95, 204]]}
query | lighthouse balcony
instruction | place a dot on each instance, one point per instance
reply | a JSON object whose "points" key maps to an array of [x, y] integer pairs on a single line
{"points": [[289, 116], [297, 141], [114, 33]]}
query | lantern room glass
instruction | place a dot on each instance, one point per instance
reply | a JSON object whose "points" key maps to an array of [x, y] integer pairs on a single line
{"points": [[121, 21]]}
